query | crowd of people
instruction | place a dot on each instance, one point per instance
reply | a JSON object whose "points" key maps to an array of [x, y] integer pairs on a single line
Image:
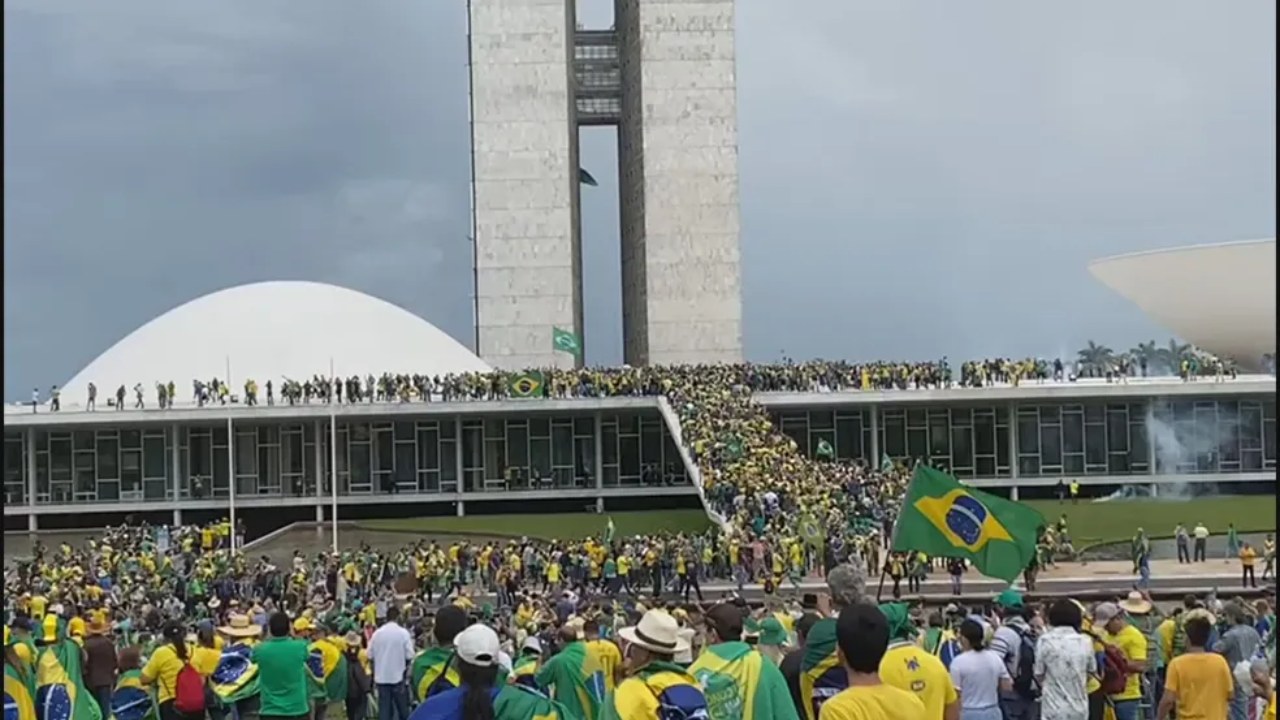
{"points": [[132, 626], [597, 382]]}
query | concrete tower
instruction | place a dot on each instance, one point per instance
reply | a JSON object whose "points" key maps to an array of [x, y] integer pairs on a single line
{"points": [[665, 78]]}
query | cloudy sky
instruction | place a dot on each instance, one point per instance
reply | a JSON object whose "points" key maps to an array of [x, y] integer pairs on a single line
{"points": [[918, 178]]}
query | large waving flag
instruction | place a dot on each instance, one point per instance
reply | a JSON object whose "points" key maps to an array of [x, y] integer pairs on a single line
{"points": [[19, 695], [60, 690], [236, 677], [130, 700], [328, 665], [943, 518]]}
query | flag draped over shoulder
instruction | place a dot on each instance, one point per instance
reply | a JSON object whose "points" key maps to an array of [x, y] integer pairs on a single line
{"points": [[523, 703], [60, 690], [19, 695], [130, 700], [575, 679], [941, 517], [426, 670], [822, 676], [331, 663], [739, 684], [236, 677]]}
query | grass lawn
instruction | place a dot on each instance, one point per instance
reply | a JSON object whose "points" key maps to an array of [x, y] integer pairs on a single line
{"points": [[550, 525], [1092, 523]]}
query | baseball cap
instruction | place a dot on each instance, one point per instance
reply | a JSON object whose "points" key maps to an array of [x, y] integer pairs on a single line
{"points": [[726, 620], [1105, 612], [478, 645]]}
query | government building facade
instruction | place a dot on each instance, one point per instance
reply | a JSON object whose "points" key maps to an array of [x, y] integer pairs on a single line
{"points": [[437, 457]]}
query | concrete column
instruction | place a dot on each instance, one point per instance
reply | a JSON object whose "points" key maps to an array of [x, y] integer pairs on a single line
{"points": [[462, 508], [458, 451], [599, 441], [321, 473], [177, 517], [320, 517], [33, 524], [875, 436], [30, 443], [1013, 450], [599, 504], [175, 466]]}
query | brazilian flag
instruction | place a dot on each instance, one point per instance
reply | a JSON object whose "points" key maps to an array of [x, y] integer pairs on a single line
{"points": [[528, 384], [60, 690], [130, 700], [19, 694], [236, 677], [328, 666], [943, 518]]}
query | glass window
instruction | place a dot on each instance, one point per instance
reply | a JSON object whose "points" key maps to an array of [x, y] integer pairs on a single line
{"points": [[1073, 464], [939, 433], [361, 466], [609, 444], [155, 459], [629, 456], [130, 439], [404, 431], [429, 450], [985, 467], [1072, 433], [1269, 442], [821, 420], [1095, 445], [961, 447], [495, 459], [1118, 463], [1051, 446], [108, 459], [1050, 414], [895, 437], [562, 446], [517, 446], [584, 426], [651, 444], [472, 448], [1138, 448], [917, 443], [539, 427], [1029, 466], [961, 416], [540, 456], [1250, 426], [385, 444], [448, 463], [1028, 435], [406, 470], [1117, 431], [849, 438], [984, 434], [1002, 446]]}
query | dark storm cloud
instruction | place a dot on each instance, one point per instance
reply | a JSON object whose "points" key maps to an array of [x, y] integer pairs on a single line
{"points": [[960, 162]]}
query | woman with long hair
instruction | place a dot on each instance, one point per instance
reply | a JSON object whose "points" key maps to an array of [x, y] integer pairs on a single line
{"points": [[979, 674], [478, 695], [168, 659]]}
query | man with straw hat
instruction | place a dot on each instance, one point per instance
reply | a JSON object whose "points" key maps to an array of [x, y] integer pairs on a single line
{"points": [[653, 679], [239, 631]]}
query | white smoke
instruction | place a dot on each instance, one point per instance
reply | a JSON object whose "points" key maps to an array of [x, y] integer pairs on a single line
{"points": [[1183, 445]]}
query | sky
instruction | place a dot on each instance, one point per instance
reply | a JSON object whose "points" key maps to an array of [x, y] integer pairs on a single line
{"points": [[918, 178]]}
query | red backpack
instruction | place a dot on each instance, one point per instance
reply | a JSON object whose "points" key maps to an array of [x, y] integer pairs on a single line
{"points": [[1115, 674], [188, 690]]}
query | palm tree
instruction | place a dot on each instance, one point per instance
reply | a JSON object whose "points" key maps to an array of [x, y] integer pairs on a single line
{"points": [[1095, 359], [1172, 355], [1145, 354]]}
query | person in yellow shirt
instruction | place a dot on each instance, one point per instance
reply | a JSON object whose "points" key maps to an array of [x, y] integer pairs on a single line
{"points": [[862, 638], [165, 664], [605, 652], [1248, 558], [1114, 629], [1198, 682], [907, 666]]}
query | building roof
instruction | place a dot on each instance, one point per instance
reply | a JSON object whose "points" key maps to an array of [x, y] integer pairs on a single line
{"points": [[1221, 297], [271, 331]]}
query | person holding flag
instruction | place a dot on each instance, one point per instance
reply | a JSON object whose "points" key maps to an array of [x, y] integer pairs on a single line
{"points": [[19, 684], [60, 691], [574, 676], [739, 683], [941, 517]]}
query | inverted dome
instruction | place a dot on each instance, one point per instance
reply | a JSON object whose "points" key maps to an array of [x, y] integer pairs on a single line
{"points": [[272, 331], [1221, 298]]}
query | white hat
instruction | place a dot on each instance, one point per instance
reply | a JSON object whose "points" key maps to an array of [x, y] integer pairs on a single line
{"points": [[657, 631], [685, 654], [532, 643], [478, 645]]}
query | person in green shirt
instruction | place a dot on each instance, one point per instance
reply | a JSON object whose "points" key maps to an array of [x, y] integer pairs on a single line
{"points": [[284, 687]]}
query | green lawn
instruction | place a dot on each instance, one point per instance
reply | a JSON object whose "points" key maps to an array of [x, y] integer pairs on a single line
{"points": [[1092, 523], [548, 526]]}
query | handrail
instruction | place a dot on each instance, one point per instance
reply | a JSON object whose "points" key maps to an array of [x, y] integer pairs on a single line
{"points": [[691, 468]]}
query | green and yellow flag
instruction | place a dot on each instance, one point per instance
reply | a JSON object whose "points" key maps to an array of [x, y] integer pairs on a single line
{"points": [[825, 451], [528, 384], [60, 690], [739, 684], [565, 342], [941, 517], [19, 694]]}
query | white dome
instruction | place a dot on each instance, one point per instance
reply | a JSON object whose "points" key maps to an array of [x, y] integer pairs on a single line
{"points": [[1221, 298], [271, 331]]}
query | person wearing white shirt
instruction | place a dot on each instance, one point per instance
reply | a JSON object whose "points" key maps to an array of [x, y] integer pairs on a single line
{"points": [[979, 675], [391, 653], [1064, 661]]}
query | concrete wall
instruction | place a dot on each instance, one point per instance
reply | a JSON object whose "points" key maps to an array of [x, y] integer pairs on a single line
{"points": [[678, 160], [524, 141]]}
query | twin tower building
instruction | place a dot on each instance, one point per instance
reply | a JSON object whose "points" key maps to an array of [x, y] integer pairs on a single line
{"points": [[664, 76]]}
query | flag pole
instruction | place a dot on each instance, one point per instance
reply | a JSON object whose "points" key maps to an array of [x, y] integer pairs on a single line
{"points": [[231, 469], [333, 458]]}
